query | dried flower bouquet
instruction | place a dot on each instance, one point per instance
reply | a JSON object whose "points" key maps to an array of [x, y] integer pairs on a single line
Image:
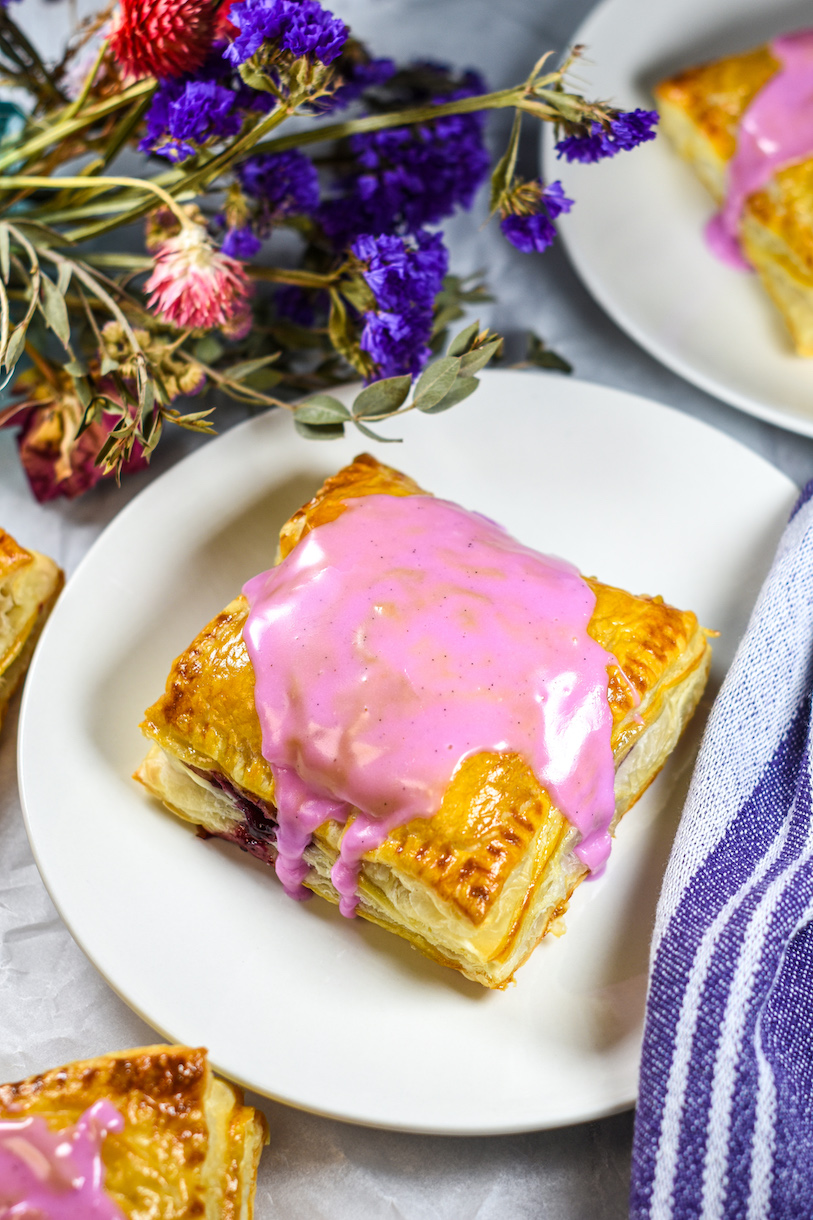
{"points": [[203, 87]]}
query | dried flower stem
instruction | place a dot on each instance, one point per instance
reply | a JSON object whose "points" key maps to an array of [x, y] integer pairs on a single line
{"points": [[11, 182]]}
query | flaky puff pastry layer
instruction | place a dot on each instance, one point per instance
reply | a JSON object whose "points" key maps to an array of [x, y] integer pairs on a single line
{"points": [[701, 110], [189, 1147], [477, 885], [29, 585]]}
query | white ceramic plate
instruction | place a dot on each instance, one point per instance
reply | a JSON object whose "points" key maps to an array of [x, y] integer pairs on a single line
{"points": [[332, 1015], [636, 232]]}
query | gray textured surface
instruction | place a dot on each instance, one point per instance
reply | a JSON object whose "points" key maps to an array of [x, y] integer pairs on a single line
{"points": [[54, 1006]]}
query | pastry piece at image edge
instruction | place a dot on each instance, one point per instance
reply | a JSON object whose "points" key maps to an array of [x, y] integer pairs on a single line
{"points": [[174, 1141], [701, 109], [478, 884], [29, 585]]}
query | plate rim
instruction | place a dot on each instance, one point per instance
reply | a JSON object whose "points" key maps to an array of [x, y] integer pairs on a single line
{"points": [[757, 407], [25, 732]]}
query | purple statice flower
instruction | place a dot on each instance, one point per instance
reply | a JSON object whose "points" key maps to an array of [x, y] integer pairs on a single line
{"points": [[240, 243], [405, 274], [285, 183], [295, 304], [408, 177], [533, 231], [185, 114], [529, 233], [628, 129], [357, 76], [301, 27]]}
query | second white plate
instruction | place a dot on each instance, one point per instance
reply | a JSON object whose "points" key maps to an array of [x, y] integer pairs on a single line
{"points": [[328, 1014], [635, 234]]}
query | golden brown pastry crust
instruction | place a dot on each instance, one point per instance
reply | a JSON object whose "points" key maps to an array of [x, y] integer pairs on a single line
{"points": [[714, 96], [496, 822], [190, 1147], [701, 109], [29, 585]]}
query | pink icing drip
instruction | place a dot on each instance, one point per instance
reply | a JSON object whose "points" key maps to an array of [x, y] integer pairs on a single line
{"points": [[57, 1175], [398, 640], [775, 131]]}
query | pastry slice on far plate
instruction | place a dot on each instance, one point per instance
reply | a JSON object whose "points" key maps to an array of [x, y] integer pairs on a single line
{"points": [[745, 125], [29, 585]]}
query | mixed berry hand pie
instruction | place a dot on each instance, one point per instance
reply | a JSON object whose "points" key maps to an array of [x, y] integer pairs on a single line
{"points": [[417, 717]]}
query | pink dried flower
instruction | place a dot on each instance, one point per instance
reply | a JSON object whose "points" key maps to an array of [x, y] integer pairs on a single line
{"points": [[193, 284]]}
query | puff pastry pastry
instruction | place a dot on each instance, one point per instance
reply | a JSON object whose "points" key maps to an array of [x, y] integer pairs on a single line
{"points": [[188, 1148], [29, 585], [477, 885], [701, 111]]}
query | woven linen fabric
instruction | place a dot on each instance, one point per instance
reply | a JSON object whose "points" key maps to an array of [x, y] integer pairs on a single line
{"points": [[724, 1126]]}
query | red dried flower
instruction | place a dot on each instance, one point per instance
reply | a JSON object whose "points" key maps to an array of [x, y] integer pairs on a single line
{"points": [[225, 30], [56, 461], [163, 38]]}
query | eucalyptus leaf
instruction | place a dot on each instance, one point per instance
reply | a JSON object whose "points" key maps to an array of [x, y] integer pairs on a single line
{"points": [[382, 397], [339, 328], [156, 427], [55, 311], [196, 422], [146, 396], [543, 357], [319, 432], [93, 412], [239, 372], [435, 382], [263, 379], [15, 347], [472, 362], [5, 252], [64, 277], [76, 368], [445, 316], [385, 440], [109, 364], [83, 390], [463, 341], [104, 452], [208, 350], [321, 409], [53, 236], [461, 389]]}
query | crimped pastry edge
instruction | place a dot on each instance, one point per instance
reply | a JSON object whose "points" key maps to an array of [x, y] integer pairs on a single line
{"points": [[389, 899]]}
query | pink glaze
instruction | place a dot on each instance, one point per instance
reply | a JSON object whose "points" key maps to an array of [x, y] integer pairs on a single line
{"points": [[775, 131], [57, 1175], [398, 640]]}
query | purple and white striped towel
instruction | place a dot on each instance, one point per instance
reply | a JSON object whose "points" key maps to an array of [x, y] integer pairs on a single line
{"points": [[724, 1126]]}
